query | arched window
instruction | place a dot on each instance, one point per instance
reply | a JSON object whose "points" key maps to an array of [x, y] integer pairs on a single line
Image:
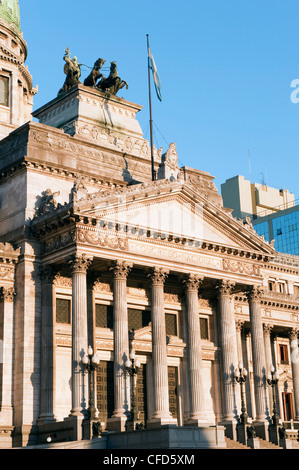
{"points": [[4, 93]]}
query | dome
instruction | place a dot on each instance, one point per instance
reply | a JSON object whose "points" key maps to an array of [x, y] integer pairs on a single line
{"points": [[10, 12]]}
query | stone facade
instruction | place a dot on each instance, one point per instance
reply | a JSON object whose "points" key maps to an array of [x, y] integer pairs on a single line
{"points": [[93, 252]]}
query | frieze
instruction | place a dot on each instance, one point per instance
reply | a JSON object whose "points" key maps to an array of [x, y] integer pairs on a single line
{"points": [[242, 268], [163, 252], [58, 142], [86, 237]]}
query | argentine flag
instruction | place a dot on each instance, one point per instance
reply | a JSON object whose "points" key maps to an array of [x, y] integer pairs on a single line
{"points": [[152, 66]]}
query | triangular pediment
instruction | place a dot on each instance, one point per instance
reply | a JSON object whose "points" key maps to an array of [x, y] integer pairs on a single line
{"points": [[174, 208]]}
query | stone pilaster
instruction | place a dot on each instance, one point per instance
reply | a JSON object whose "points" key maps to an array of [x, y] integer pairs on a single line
{"points": [[121, 346], [47, 390], [6, 347], [79, 265], [197, 414], [228, 345], [161, 414], [258, 355], [269, 361], [295, 368]]}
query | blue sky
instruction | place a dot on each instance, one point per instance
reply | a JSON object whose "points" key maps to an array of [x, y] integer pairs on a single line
{"points": [[226, 68]]}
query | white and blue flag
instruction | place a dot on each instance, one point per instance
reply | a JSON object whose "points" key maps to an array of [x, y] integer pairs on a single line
{"points": [[152, 66]]}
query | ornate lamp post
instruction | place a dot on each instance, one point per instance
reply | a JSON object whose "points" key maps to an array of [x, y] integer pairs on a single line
{"points": [[91, 362], [240, 377], [272, 379], [132, 365]]}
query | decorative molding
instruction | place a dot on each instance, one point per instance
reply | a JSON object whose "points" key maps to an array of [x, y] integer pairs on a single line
{"points": [[62, 281]]}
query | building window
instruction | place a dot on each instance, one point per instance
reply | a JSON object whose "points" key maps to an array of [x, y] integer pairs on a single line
{"points": [[4, 94], [104, 316], [281, 287], [138, 318], [283, 352], [296, 290], [171, 324], [63, 311], [271, 285], [204, 328]]}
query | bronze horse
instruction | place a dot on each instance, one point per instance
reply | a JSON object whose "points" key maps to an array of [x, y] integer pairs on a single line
{"points": [[95, 74], [113, 83]]}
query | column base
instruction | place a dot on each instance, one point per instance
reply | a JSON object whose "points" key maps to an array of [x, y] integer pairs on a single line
{"points": [[46, 419], [161, 421], [230, 428], [262, 429], [117, 424], [197, 422]]}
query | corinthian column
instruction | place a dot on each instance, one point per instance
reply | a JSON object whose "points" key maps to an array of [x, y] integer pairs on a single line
{"points": [[295, 368], [258, 353], [228, 344], [161, 414], [121, 346], [79, 265], [197, 409], [47, 392], [6, 357]]}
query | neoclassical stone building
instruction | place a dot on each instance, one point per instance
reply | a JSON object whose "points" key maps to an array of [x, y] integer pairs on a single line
{"points": [[95, 253]]}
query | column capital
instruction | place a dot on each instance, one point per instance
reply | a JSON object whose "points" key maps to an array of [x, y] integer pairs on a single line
{"points": [[7, 294], [193, 281], [47, 274], [225, 287], [267, 328], [255, 293], [239, 325], [293, 333], [121, 269], [158, 276], [79, 262]]}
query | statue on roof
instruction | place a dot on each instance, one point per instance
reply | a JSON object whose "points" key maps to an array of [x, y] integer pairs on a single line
{"points": [[95, 74], [72, 71], [113, 83]]}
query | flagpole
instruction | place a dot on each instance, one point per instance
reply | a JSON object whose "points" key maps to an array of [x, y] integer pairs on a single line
{"points": [[150, 112]]}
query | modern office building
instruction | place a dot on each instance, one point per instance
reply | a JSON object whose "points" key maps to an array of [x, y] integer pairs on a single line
{"points": [[273, 213], [154, 281]]}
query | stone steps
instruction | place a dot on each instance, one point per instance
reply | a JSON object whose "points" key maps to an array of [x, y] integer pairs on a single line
{"points": [[267, 445], [231, 444]]}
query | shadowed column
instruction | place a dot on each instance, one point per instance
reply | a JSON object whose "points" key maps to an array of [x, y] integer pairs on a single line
{"points": [[295, 368], [47, 393], [258, 353], [161, 414], [79, 265], [228, 344], [121, 346], [197, 409]]}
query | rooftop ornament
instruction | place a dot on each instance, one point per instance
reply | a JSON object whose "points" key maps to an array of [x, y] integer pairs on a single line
{"points": [[72, 69]]}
